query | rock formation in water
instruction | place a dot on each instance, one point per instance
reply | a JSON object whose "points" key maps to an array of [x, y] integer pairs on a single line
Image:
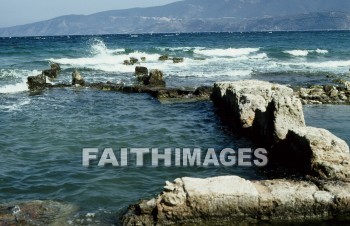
{"points": [[273, 116], [77, 79]]}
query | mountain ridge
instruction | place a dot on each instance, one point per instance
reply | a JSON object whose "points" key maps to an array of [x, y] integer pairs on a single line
{"points": [[199, 16]]}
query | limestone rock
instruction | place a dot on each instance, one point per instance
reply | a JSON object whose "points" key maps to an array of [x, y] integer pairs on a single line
{"points": [[155, 78], [325, 155], [263, 109], [77, 78], [233, 199], [163, 57], [53, 72], [178, 60], [36, 82], [141, 71]]}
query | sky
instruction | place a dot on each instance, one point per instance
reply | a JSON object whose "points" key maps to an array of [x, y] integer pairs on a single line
{"points": [[18, 12]]}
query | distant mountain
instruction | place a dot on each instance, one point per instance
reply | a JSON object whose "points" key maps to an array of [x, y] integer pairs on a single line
{"points": [[199, 15]]}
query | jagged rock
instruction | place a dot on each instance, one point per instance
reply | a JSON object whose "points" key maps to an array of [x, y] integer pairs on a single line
{"points": [[141, 71], [36, 213], [318, 152], [56, 67], [53, 72], [77, 79], [36, 82], [327, 94], [127, 62], [178, 60], [274, 116], [155, 78], [263, 110], [133, 60], [347, 85], [234, 199], [163, 57]]}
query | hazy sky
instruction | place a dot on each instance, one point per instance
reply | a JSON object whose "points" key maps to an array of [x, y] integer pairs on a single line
{"points": [[17, 12]]}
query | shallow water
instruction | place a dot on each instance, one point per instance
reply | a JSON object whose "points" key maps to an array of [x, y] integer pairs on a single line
{"points": [[43, 139], [42, 135]]}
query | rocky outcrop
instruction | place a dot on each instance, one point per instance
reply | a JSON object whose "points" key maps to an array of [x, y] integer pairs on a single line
{"points": [[36, 213], [77, 79], [320, 153], [37, 82], [141, 71], [274, 117], [153, 78], [260, 109], [53, 72], [327, 94], [163, 58], [233, 199], [131, 61], [178, 60]]}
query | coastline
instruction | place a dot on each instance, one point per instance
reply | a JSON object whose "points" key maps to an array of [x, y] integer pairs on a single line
{"points": [[324, 193]]}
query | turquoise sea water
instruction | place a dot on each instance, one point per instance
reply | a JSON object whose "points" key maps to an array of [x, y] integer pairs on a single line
{"points": [[42, 134]]}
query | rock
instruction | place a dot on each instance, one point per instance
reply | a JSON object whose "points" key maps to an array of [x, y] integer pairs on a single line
{"points": [[77, 79], [260, 109], [36, 213], [203, 91], [143, 58], [163, 57], [56, 67], [347, 85], [232, 199], [327, 94], [133, 60], [127, 62], [318, 152], [155, 78], [141, 71], [36, 82], [178, 60], [53, 72]]}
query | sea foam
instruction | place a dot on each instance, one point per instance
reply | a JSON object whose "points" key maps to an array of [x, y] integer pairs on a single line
{"points": [[304, 53]]}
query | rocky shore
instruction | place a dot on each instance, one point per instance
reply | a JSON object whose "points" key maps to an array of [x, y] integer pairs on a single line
{"points": [[273, 116], [270, 114]]}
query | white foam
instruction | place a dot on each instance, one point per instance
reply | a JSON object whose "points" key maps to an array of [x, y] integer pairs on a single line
{"points": [[19, 86], [304, 53], [321, 51], [230, 52]]}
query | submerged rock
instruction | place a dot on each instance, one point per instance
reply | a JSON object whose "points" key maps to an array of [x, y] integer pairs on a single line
{"points": [[231, 199], [163, 58], [178, 60], [37, 82], [36, 213], [133, 60], [77, 79]]}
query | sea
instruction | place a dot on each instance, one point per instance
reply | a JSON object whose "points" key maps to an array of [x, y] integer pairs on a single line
{"points": [[43, 134]]}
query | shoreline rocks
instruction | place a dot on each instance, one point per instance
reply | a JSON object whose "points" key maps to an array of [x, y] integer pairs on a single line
{"points": [[77, 79], [36, 213], [326, 94], [53, 72], [271, 114], [232, 199]]}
